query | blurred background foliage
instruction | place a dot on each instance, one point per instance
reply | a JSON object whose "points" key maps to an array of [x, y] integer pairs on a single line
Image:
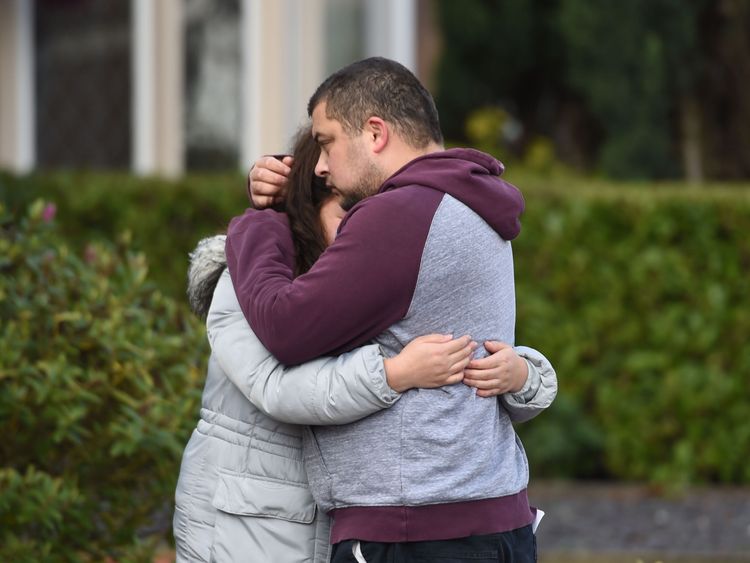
{"points": [[648, 89], [163, 218], [100, 378], [636, 292], [639, 295]]}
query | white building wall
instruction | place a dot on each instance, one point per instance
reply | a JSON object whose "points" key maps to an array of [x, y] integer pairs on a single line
{"points": [[158, 87], [282, 50], [17, 100], [391, 30]]}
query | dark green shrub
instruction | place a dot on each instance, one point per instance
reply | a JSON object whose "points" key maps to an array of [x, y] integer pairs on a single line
{"points": [[164, 219], [636, 293], [640, 298], [99, 385]]}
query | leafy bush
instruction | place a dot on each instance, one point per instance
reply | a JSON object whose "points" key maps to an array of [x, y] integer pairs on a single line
{"points": [[636, 293], [99, 387], [164, 219], [639, 297]]}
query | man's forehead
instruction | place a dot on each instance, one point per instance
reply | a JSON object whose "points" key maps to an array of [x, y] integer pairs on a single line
{"points": [[319, 112], [321, 123]]}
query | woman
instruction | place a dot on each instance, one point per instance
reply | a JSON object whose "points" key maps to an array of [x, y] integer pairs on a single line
{"points": [[242, 493]]}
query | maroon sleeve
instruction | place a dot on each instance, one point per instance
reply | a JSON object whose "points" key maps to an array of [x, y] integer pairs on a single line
{"points": [[359, 287]]}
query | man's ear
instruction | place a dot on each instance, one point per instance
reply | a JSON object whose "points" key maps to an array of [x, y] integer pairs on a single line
{"points": [[377, 132]]}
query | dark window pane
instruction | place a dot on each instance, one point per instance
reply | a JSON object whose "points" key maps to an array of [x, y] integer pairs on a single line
{"points": [[83, 80], [212, 84]]}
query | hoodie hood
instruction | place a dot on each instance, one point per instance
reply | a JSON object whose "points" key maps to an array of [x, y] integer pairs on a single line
{"points": [[472, 177], [207, 262]]}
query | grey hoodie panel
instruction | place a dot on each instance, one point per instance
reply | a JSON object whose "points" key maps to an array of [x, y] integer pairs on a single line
{"points": [[435, 445], [450, 303]]}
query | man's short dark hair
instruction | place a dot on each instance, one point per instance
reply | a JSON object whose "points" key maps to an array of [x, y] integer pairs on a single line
{"points": [[383, 88]]}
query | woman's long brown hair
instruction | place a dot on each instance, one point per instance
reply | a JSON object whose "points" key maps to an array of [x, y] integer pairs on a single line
{"points": [[305, 196]]}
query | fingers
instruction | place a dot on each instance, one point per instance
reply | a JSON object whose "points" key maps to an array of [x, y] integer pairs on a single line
{"points": [[458, 360], [497, 359], [486, 363], [268, 179], [265, 195], [458, 367], [273, 164], [493, 346], [263, 201], [459, 345], [454, 378], [267, 182], [488, 388], [460, 354], [477, 374], [480, 383], [463, 355]]}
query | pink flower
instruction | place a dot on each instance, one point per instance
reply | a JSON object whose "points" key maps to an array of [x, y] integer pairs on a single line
{"points": [[89, 254], [48, 257], [50, 210]]}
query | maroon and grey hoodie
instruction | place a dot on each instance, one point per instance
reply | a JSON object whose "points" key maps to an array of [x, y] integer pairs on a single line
{"points": [[428, 254]]}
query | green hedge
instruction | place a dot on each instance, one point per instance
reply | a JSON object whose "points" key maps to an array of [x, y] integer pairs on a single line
{"points": [[640, 296], [163, 219], [100, 377]]}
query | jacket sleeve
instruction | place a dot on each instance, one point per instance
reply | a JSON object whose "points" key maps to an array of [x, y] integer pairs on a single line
{"points": [[540, 389], [324, 391], [362, 284]]}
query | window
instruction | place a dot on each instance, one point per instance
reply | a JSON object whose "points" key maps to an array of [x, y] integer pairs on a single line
{"points": [[83, 83], [212, 84]]}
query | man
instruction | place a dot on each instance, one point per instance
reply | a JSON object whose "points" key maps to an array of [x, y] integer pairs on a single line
{"points": [[423, 249]]}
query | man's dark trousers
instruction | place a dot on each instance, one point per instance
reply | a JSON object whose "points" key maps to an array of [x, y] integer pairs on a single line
{"points": [[516, 546]]}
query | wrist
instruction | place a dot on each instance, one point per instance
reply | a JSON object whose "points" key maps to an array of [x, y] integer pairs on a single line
{"points": [[395, 375], [532, 385], [522, 371]]}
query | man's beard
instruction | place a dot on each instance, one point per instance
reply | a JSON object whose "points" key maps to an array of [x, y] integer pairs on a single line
{"points": [[351, 199], [368, 184]]}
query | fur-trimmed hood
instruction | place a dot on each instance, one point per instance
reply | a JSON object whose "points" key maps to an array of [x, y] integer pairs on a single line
{"points": [[207, 262]]}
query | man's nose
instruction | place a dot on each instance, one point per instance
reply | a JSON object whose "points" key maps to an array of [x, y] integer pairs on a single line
{"points": [[321, 168]]}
